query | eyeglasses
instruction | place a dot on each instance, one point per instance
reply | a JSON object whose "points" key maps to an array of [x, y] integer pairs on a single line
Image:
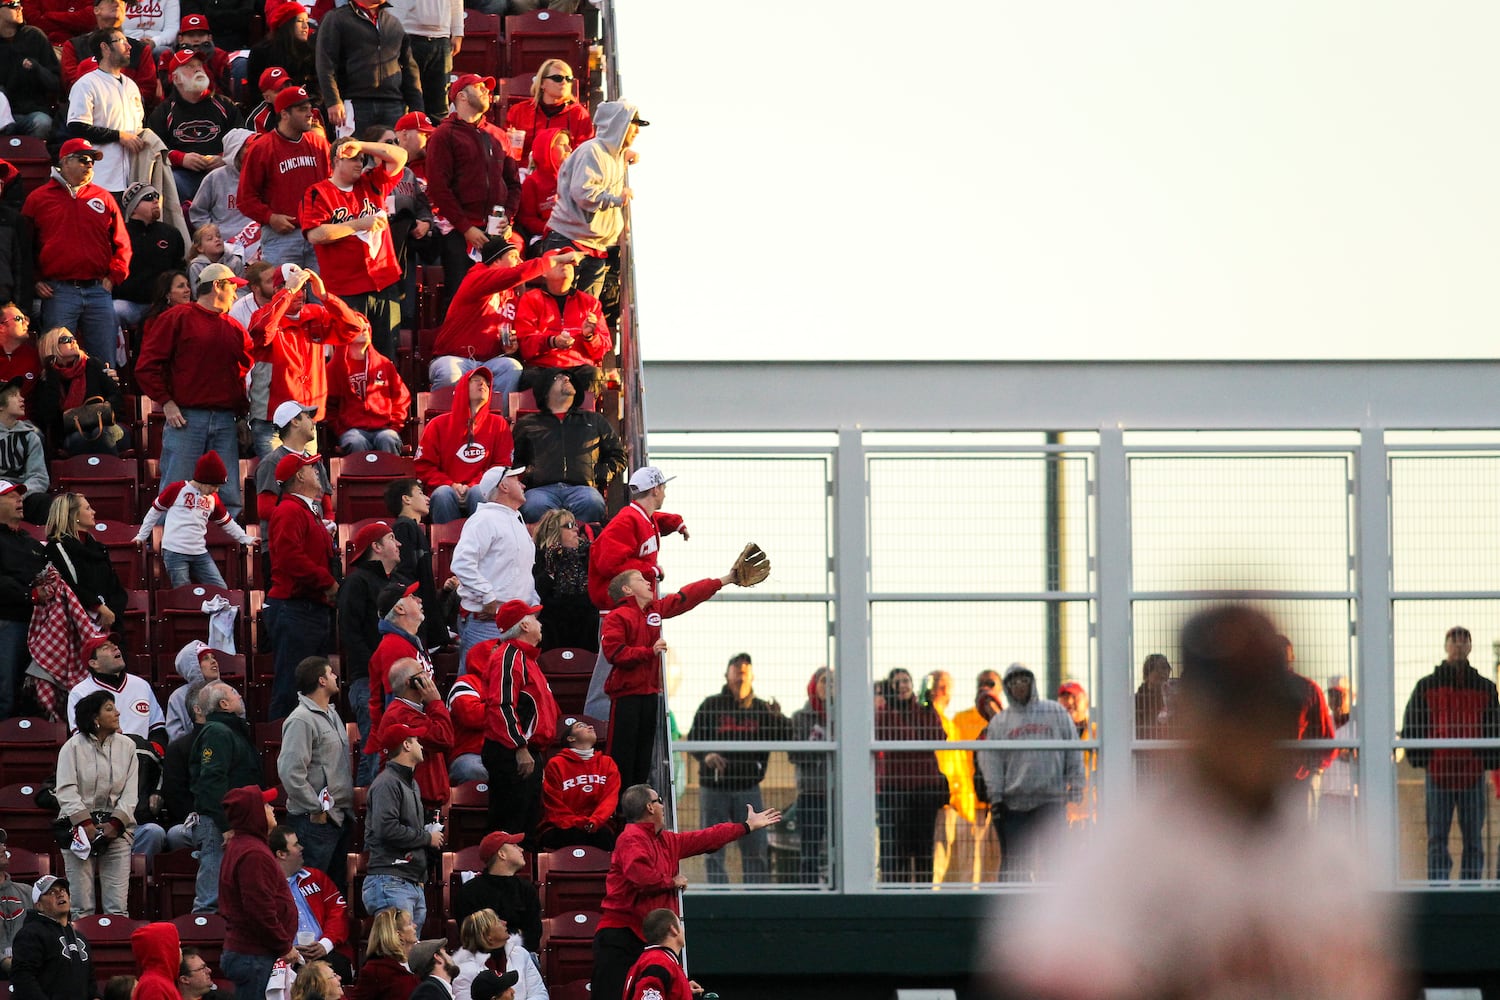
{"points": [[67, 340], [558, 78], [201, 968], [653, 802]]}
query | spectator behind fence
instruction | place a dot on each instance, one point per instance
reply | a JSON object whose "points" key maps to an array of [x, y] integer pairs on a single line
{"points": [[294, 336], [970, 725], [484, 938], [97, 790], [1151, 699], [910, 789], [501, 889], [223, 757], [193, 361], [322, 911], [197, 663], [279, 167], [810, 723], [561, 574], [260, 918], [19, 358], [365, 58], [644, 876], [561, 326], [396, 833], [589, 213], [345, 220], [82, 560], [286, 47], [184, 510], [304, 577], [580, 790], [1454, 702], [314, 769], [218, 201], [368, 401], [552, 106], [570, 454], [494, 554], [83, 249], [68, 402], [22, 559], [51, 958], [383, 974], [29, 74], [374, 554], [155, 247], [193, 121], [728, 781], [208, 248], [469, 175]]}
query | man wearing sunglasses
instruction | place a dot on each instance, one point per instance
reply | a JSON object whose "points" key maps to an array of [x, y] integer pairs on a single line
{"points": [[83, 250], [29, 73]]}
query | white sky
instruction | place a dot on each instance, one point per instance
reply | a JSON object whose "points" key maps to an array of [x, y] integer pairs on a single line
{"points": [[1088, 180]]}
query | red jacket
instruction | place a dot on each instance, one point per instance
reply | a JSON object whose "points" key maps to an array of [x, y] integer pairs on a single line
{"points": [[367, 394], [26, 363], [259, 914], [522, 711], [630, 540], [196, 358], [328, 906], [658, 975], [302, 553], [540, 184], [432, 774], [78, 237], [156, 948], [481, 310], [629, 632], [467, 707], [538, 320], [468, 173], [60, 19], [577, 791], [461, 446], [569, 115], [276, 172], [394, 645], [294, 346], [644, 864]]}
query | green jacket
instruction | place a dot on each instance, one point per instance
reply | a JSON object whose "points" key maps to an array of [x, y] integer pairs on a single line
{"points": [[223, 757]]}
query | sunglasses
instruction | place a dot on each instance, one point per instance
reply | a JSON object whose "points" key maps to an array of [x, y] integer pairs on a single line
{"points": [[12, 4], [67, 340], [151, 197], [83, 158], [558, 78], [569, 526]]}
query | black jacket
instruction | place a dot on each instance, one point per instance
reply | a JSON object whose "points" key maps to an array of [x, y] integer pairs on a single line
{"points": [[37, 88], [580, 449], [155, 248], [359, 618], [513, 899], [51, 962], [721, 717], [360, 59], [92, 576], [416, 567], [46, 406], [21, 559], [176, 788], [431, 988], [17, 257]]}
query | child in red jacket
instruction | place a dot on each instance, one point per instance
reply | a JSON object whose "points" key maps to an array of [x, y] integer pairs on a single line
{"points": [[580, 790]]}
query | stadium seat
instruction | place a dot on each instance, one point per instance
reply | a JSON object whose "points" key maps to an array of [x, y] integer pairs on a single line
{"points": [[180, 617], [108, 936], [444, 540], [135, 624], [236, 565], [361, 479], [29, 155], [571, 878], [430, 404], [578, 989], [27, 865], [568, 946], [430, 285], [348, 530], [468, 811], [111, 484], [531, 39], [268, 739], [355, 867], [204, 931], [28, 749], [26, 824], [481, 52], [125, 553], [568, 672], [173, 880]]}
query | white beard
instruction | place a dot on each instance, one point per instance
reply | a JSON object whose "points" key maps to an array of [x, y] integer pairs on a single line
{"points": [[190, 85]]}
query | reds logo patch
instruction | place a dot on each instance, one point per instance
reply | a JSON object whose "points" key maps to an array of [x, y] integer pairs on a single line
{"points": [[141, 708], [161, 244], [97, 204], [472, 452], [654, 620]]}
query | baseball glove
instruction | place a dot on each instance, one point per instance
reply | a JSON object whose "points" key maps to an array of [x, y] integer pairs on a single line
{"points": [[752, 566]]}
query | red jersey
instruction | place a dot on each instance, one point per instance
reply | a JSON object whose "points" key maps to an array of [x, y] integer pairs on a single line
{"points": [[276, 172], [522, 711], [658, 975], [539, 319], [576, 790], [629, 632], [363, 262], [293, 346], [365, 393], [328, 907], [630, 540]]}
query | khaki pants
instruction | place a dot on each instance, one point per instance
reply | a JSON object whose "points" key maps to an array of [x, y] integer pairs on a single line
{"points": [[963, 851], [112, 867]]}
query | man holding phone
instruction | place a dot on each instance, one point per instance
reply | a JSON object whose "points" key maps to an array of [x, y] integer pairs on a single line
{"points": [[416, 704]]}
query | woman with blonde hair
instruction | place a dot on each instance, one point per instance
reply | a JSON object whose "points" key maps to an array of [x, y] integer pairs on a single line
{"points": [[317, 981], [561, 574], [384, 976], [486, 944], [83, 560], [552, 105], [71, 379]]}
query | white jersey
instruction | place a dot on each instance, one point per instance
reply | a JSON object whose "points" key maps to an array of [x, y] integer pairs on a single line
{"points": [[139, 711]]}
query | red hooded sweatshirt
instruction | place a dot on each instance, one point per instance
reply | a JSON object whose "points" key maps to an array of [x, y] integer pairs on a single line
{"points": [[293, 346], [157, 954], [460, 446], [540, 318], [260, 917], [541, 183], [366, 393], [483, 307], [629, 632], [578, 790], [631, 540]]}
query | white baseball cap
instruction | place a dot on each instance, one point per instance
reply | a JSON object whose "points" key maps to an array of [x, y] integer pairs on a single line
{"points": [[287, 412], [648, 478], [492, 477]]}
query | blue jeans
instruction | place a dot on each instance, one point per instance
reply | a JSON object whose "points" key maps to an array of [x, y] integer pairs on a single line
{"points": [[130, 314], [379, 111], [384, 891], [206, 431], [14, 659], [264, 437], [287, 248], [299, 629], [715, 806], [386, 440], [445, 505], [37, 123], [359, 702], [450, 369], [472, 630], [1442, 803], [1028, 840], [148, 839], [466, 767], [249, 973], [584, 501], [89, 312], [210, 841], [184, 569], [320, 842], [188, 182]]}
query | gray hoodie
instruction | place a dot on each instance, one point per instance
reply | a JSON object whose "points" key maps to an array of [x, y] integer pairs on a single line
{"points": [[179, 714], [590, 186], [23, 459], [1024, 780], [217, 199]]}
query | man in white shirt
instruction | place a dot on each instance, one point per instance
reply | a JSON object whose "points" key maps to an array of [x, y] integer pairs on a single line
{"points": [[493, 558], [105, 108], [140, 713]]}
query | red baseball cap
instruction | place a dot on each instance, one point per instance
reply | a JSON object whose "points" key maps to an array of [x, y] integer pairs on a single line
{"points": [[511, 612], [492, 842], [466, 79], [181, 58], [392, 736], [273, 78], [193, 22], [414, 120], [6, 487], [75, 146], [367, 536], [93, 643], [290, 97], [289, 464]]}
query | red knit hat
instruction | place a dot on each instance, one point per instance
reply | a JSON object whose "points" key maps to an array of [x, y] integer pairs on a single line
{"points": [[210, 470], [282, 13]]}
